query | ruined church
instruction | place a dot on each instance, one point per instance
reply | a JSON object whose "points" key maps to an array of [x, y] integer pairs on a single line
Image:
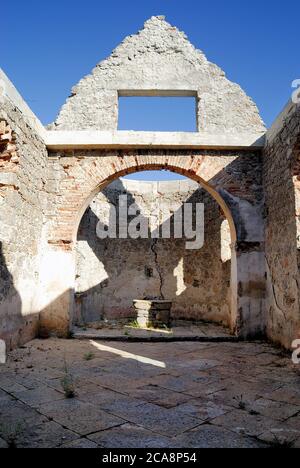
{"points": [[56, 184]]}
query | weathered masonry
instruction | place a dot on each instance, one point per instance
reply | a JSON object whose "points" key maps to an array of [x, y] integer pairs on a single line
{"points": [[54, 184]]}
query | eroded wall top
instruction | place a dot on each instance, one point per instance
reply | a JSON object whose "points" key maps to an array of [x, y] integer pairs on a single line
{"points": [[159, 59]]}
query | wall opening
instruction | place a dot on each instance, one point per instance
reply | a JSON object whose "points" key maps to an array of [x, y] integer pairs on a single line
{"points": [[112, 272], [155, 176], [158, 113]]}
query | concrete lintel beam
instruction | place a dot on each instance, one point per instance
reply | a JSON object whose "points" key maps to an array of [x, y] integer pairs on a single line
{"points": [[59, 140]]}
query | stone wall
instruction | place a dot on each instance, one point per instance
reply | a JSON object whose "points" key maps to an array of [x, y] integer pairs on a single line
{"points": [[43, 198], [23, 159], [282, 204], [159, 60], [233, 178], [111, 273]]}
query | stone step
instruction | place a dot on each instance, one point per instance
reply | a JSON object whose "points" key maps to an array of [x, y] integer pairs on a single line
{"points": [[143, 335]]}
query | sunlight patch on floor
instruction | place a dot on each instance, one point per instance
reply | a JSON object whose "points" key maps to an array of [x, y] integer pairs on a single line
{"points": [[126, 355]]}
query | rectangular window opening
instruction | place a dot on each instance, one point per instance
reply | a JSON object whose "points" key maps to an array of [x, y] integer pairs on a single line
{"points": [[163, 113]]}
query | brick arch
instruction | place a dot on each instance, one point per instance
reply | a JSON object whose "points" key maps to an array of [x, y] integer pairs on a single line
{"points": [[192, 173], [214, 193], [81, 175], [87, 177]]}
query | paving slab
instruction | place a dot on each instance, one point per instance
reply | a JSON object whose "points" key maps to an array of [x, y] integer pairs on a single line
{"points": [[242, 422], [16, 416], [176, 384], [169, 422], [275, 409], [169, 399], [115, 382], [39, 396], [130, 436], [10, 385], [281, 438], [207, 390], [79, 417], [100, 397], [45, 435], [80, 444], [204, 409], [286, 394], [208, 436]]}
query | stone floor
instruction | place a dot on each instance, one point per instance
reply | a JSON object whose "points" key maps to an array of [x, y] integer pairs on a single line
{"points": [[149, 395]]}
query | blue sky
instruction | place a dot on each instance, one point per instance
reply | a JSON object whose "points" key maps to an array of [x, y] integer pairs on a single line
{"points": [[48, 46]]}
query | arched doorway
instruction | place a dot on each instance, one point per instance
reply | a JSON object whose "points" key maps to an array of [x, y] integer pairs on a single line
{"points": [[83, 176], [156, 260], [192, 175]]}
